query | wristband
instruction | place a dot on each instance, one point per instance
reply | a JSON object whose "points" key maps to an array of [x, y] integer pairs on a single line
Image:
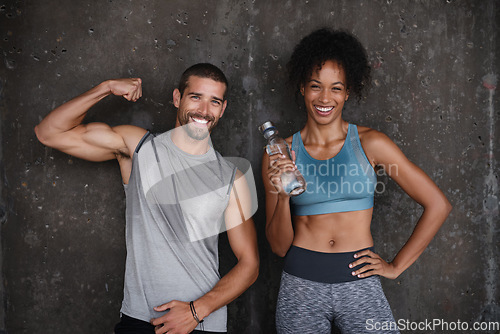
{"points": [[193, 312]]}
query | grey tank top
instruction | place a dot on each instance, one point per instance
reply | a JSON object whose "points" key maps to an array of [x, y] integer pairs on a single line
{"points": [[175, 211]]}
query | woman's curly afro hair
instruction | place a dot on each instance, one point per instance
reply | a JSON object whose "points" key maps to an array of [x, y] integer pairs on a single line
{"points": [[327, 44]]}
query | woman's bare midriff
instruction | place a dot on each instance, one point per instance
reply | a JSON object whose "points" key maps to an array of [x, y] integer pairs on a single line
{"points": [[334, 232]]}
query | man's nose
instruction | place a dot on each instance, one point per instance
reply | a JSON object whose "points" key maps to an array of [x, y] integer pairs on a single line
{"points": [[203, 108]]}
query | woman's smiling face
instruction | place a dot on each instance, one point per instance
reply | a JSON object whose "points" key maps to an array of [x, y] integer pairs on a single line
{"points": [[325, 92]]}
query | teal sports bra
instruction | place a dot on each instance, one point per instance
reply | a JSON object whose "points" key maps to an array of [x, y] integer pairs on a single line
{"points": [[343, 183]]}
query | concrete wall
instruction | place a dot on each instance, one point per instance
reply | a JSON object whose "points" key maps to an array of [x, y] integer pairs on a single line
{"points": [[435, 71]]}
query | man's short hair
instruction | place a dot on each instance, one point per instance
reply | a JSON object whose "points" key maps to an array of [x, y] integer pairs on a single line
{"points": [[202, 70]]}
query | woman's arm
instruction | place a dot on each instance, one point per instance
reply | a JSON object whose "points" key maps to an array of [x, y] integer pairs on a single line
{"points": [[418, 185], [279, 229]]}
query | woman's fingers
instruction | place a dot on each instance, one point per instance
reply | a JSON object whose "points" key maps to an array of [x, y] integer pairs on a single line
{"points": [[373, 265]]}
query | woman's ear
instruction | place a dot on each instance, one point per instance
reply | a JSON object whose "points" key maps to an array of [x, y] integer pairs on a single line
{"points": [[302, 90]]}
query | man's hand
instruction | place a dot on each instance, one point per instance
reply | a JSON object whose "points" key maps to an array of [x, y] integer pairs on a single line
{"points": [[130, 89], [178, 319]]}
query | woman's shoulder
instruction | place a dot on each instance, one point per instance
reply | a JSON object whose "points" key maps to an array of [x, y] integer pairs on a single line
{"points": [[372, 139], [377, 145], [367, 134]]}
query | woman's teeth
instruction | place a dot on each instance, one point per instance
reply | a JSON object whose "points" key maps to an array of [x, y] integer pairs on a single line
{"points": [[324, 109]]}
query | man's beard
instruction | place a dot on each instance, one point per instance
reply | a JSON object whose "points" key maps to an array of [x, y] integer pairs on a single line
{"points": [[191, 129]]}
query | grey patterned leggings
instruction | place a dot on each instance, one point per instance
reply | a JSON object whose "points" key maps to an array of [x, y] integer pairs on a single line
{"points": [[306, 306]]}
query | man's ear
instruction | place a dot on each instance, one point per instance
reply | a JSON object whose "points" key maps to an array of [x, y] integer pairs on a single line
{"points": [[347, 95], [177, 98], [224, 105]]}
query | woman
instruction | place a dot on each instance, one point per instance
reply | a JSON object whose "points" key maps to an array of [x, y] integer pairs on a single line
{"points": [[331, 272]]}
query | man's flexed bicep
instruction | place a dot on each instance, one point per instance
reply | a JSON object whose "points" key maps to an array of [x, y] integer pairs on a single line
{"points": [[62, 128], [92, 142]]}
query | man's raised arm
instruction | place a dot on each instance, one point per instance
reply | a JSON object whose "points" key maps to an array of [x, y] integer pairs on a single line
{"points": [[63, 130]]}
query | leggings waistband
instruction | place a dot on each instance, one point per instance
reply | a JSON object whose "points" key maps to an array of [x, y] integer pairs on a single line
{"points": [[321, 267]]}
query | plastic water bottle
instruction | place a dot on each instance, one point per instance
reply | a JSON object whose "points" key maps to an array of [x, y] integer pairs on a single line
{"points": [[293, 182]]}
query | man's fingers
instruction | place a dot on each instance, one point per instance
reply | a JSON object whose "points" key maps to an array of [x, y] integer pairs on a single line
{"points": [[138, 90], [163, 307], [156, 321], [161, 329], [133, 89]]}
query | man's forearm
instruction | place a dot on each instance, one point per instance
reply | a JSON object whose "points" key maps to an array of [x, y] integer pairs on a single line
{"points": [[232, 285], [71, 113]]}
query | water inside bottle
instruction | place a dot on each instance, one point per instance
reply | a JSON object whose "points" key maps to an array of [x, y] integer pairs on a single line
{"points": [[289, 180], [290, 184]]}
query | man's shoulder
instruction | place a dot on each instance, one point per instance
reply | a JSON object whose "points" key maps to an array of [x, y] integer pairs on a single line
{"points": [[241, 165], [226, 162], [132, 136]]}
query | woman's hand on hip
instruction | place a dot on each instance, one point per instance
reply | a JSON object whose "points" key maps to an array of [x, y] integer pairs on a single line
{"points": [[373, 265]]}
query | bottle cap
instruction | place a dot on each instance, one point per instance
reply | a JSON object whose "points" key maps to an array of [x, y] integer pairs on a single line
{"points": [[266, 126]]}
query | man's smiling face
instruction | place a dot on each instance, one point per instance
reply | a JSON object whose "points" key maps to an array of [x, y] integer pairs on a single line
{"points": [[201, 106]]}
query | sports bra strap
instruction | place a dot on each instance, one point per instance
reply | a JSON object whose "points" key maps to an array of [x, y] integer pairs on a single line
{"points": [[295, 142]]}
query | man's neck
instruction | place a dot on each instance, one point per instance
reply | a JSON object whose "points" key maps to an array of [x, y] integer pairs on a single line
{"points": [[187, 144]]}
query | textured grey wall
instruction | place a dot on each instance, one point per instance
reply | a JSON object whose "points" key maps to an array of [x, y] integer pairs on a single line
{"points": [[435, 69]]}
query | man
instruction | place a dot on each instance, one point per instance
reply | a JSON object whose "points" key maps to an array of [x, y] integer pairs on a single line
{"points": [[179, 193]]}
